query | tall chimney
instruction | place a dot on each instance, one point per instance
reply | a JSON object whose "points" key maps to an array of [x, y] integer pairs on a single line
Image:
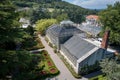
{"points": [[104, 43]]}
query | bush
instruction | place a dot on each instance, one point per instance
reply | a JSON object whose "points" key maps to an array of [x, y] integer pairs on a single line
{"points": [[46, 39], [50, 44], [55, 50], [32, 44], [40, 43], [99, 77]]}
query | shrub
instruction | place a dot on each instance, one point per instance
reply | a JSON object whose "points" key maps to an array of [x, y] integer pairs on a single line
{"points": [[46, 39], [50, 44]]}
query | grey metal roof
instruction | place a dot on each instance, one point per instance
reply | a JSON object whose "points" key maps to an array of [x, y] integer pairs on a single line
{"points": [[66, 22], [59, 30], [78, 46], [94, 30]]}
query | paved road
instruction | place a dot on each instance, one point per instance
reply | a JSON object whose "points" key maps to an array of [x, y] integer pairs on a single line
{"points": [[64, 72]]}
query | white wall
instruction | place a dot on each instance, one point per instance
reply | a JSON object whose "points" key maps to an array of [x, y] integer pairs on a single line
{"points": [[96, 56], [73, 66]]}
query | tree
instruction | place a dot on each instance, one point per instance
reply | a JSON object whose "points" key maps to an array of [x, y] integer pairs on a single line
{"points": [[18, 64], [30, 30], [15, 63], [40, 13], [43, 24], [62, 17], [110, 19], [111, 69], [8, 23]]}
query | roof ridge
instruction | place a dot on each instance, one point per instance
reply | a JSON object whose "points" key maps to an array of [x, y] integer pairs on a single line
{"points": [[87, 54]]}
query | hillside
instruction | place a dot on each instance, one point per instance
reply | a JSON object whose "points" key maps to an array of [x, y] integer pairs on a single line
{"points": [[53, 9]]}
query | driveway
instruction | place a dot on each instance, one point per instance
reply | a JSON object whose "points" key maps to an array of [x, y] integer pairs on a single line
{"points": [[64, 72]]}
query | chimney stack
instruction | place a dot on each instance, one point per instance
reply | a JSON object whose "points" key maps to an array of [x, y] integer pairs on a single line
{"points": [[104, 43]]}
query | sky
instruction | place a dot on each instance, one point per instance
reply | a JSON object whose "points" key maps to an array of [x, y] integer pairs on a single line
{"points": [[92, 4]]}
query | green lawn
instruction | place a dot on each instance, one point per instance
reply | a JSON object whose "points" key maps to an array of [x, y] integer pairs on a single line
{"points": [[99, 77]]}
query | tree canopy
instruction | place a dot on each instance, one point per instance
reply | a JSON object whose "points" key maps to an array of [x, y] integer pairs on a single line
{"points": [[110, 19], [53, 8], [13, 63], [43, 24], [111, 68], [8, 21], [40, 13], [18, 64]]}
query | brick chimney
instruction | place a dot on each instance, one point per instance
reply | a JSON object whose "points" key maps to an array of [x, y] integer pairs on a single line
{"points": [[104, 43]]}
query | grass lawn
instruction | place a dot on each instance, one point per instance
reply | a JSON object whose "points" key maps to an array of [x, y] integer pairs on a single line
{"points": [[47, 65], [99, 77]]}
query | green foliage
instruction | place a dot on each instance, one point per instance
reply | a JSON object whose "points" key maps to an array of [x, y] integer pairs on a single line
{"points": [[46, 39], [41, 1], [15, 64], [50, 44], [8, 21], [57, 9], [23, 3], [32, 43], [86, 69], [10, 32], [43, 24], [111, 69], [99, 77], [110, 18], [30, 30], [40, 13], [22, 65], [74, 13], [62, 17]]}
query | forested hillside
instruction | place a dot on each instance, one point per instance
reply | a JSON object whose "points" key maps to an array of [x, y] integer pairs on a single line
{"points": [[42, 9]]}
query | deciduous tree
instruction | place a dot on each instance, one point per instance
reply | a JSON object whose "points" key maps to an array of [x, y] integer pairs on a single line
{"points": [[111, 69], [43, 24], [110, 19]]}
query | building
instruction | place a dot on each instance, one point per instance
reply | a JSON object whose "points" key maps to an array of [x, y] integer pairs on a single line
{"points": [[78, 50], [91, 26], [60, 33], [92, 19], [81, 52], [25, 23]]}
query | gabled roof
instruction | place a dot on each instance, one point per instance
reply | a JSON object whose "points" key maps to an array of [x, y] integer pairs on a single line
{"points": [[92, 17], [78, 47], [60, 30], [66, 22], [91, 29]]}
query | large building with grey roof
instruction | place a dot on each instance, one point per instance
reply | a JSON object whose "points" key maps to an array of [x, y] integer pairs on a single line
{"points": [[59, 33], [75, 47], [79, 52]]}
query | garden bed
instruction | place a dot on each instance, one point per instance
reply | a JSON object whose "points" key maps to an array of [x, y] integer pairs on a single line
{"points": [[48, 67]]}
